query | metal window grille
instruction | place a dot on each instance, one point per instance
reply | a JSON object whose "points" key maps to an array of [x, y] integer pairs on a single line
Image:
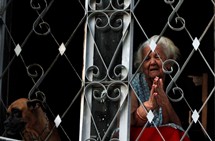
{"points": [[79, 56]]}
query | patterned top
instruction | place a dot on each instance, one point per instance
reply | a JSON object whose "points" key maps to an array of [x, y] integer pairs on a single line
{"points": [[141, 89]]}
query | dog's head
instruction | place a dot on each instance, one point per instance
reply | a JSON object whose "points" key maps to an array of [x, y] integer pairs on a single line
{"points": [[20, 112]]}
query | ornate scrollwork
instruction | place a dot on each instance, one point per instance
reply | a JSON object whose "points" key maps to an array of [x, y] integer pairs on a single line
{"points": [[43, 27], [109, 5], [97, 5], [177, 90], [92, 72], [116, 20], [100, 95], [168, 62], [173, 80], [117, 5], [104, 22], [33, 71], [101, 20], [36, 5], [98, 90], [177, 19], [120, 72], [113, 91], [40, 27], [39, 95]]}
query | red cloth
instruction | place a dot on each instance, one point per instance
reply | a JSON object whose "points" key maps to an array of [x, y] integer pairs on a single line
{"points": [[151, 134]]}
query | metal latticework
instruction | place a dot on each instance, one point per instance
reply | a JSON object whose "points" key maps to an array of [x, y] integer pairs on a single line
{"points": [[77, 58]]}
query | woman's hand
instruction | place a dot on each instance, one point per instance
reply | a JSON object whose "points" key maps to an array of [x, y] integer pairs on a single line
{"points": [[152, 103], [160, 95], [162, 100]]}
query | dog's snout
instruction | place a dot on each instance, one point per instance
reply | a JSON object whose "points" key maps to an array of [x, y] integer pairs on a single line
{"points": [[13, 125], [7, 122]]}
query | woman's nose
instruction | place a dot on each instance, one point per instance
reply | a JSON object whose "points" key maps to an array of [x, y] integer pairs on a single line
{"points": [[152, 61]]}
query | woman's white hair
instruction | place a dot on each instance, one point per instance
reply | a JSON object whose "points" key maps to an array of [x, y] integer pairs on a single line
{"points": [[170, 49]]}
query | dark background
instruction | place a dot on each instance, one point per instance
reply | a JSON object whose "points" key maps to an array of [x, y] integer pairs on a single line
{"points": [[61, 84]]}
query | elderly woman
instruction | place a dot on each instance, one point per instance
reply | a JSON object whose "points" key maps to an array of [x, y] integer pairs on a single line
{"points": [[148, 85]]}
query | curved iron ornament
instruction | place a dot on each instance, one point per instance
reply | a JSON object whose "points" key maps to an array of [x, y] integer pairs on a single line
{"points": [[92, 72], [105, 23], [173, 80], [106, 87], [116, 89], [112, 5], [118, 72], [39, 21], [108, 21], [101, 92], [113, 91], [32, 72], [178, 18], [39, 96], [38, 5]]}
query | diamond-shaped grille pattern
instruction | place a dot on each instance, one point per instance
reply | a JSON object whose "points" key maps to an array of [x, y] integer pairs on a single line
{"points": [[153, 45], [195, 116], [62, 49], [57, 121], [75, 59], [196, 43], [150, 116], [18, 50]]}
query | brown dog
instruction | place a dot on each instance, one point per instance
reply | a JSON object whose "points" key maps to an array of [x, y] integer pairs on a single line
{"points": [[28, 118]]}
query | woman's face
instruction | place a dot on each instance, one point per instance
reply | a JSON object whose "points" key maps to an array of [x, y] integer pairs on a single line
{"points": [[152, 66]]}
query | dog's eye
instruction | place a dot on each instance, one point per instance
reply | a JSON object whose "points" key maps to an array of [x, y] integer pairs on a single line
{"points": [[17, 113]]}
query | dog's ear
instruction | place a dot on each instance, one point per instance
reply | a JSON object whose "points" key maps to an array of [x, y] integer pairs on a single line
{"points": [[34, 104]]}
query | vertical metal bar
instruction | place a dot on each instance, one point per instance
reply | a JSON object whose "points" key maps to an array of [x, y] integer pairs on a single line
{"points": [[95, 49]]}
